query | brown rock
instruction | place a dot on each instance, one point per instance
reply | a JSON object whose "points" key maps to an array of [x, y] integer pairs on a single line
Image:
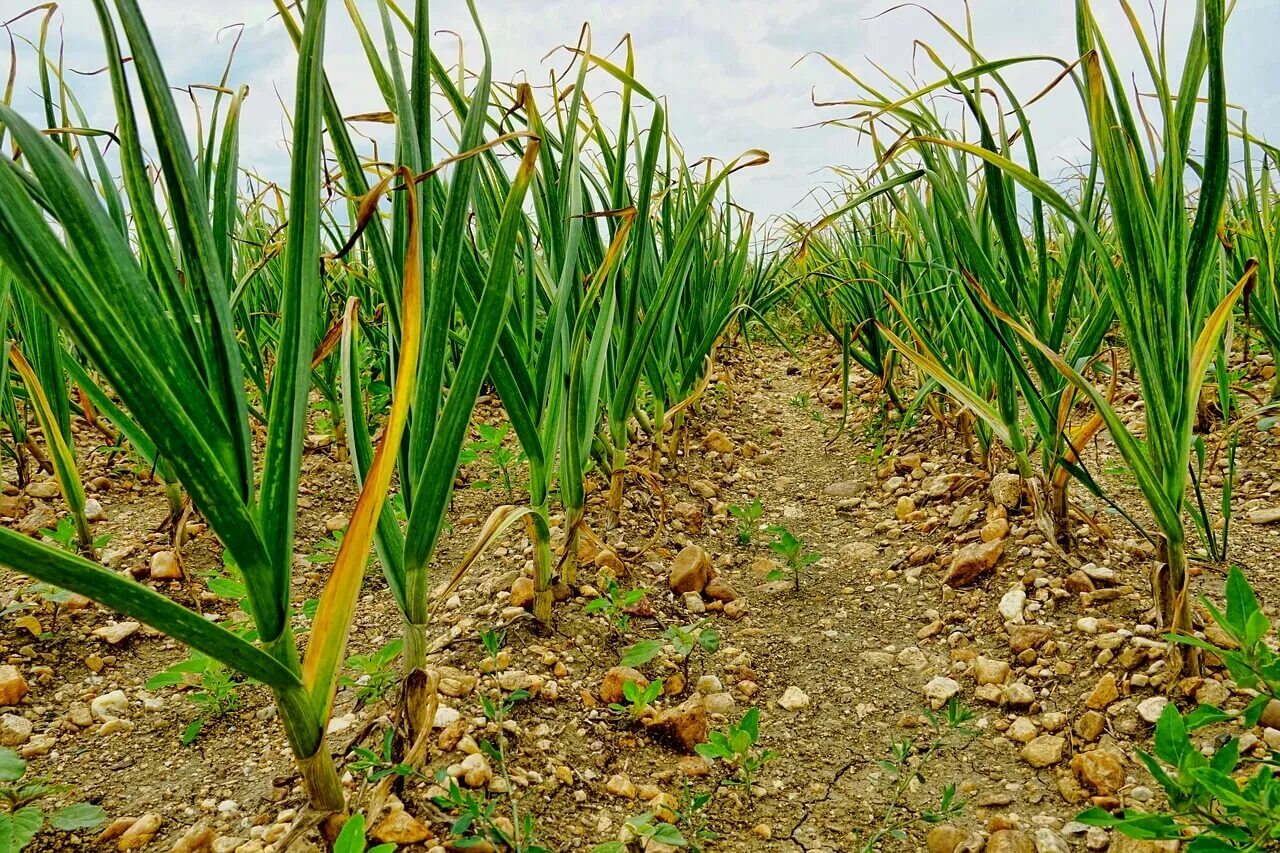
{"points": [[943, 838], [1044, 751], [1010, 841], [717, 441], [609, 560], [718, 589], [1023, 637], [684, 725], [987, 671], [1104, 693], [522, 593], [195, 840], [611, 689], [691, 570], [1270, 714], [996, 528], [140, 834], [690, 514], [1099, 770], [400, 827], [1078, 582], [972, 562], [12, 685], [1090, 725]]}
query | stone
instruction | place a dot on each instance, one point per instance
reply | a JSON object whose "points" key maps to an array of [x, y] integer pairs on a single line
{"points": [[15, 730], [195, 840], [1078, 583], [140, 834], [996, 528], [475, 770], [1262, 515], [694, 604], [46, 489], [718, 589], [522, 593], [905, 506], [93, 510], [1212, 692], [972, 562], [943, 838], [1022, 730], [1019, 695], [621, 786], [611, 688], [1270, 714], [939, 690], [844, 489], [1104, 693], [1006, 490], [164, 566], [793, 699], [117, 632], [109, 706], [1010, 841], [684, 725], [717, 441], [691, 570], [1099, 770], [988, 671], [1048, 841], [12, 685], [400, 827], [1151, 708], [1011, 604], [1090, 725], [1023, 637], [1044, 751]]}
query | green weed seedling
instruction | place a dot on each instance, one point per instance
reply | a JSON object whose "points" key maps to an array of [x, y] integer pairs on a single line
{"points": [[736, 746], [1227, 801], [650, 831], [788, 546], [352, 838], [63, 534], [905, 768], [22, 816], [614, 605], [748, 517], [216, 697], [478, 823], [377, 766], [492, 443], [638, 699], [687, 641], [327, 548], [377, 672]]}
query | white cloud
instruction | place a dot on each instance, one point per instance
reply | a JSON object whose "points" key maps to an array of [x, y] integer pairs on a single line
{"points": [[727, 67]]}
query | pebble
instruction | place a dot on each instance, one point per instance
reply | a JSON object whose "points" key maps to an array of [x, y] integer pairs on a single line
{"points": [[140, 833], [1151, 708], [15, 730], [117, 632], [620, 785], [793, 699], [109, 706], [940, 689], [1044, 751], [1011, 605], [12, 685]]}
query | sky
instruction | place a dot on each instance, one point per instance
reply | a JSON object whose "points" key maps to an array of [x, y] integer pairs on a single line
{"points": [[736, 75]]}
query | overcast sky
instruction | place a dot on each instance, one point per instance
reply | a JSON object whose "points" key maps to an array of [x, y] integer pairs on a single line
{"points": [[735, 73]]}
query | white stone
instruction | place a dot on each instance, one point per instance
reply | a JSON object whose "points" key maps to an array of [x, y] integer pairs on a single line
{"points": [[1011, 605], [793, 699]]}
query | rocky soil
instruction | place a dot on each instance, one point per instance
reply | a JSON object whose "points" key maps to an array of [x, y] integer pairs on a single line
{"points": [[933, 592]]}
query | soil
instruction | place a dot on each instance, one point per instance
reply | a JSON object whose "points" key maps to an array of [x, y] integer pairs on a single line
{"points": [[871, 624]]}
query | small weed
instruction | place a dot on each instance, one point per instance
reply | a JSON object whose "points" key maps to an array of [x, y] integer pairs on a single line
{"points": [[377, 766], [352, 838], [686, 640], [650, 831], [63, 535], [614, 605], [905, 769], [748, 518], [215, 697], [791, 548], [22, 817], [327, 548], [736, 746], [638, 699], [492, 444], [377, 672]]}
